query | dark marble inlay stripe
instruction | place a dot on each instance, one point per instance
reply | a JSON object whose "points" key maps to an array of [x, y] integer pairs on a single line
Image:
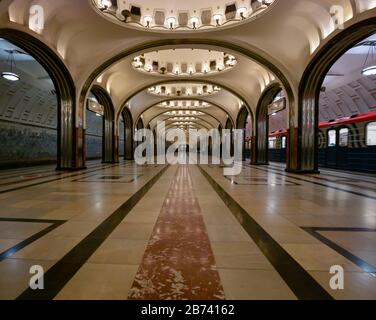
{"points": [[13, 250], [364, 265], [58, 179], [62, 272], [279, 172], [299, 280], [37, 171]]}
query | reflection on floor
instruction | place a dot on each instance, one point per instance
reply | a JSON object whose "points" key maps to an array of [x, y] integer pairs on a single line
{"points": [[122, 231]]}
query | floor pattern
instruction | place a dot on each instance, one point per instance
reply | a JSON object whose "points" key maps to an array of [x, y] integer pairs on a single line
{"points": [[179, 262]]}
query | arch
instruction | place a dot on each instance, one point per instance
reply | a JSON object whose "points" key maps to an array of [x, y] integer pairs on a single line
{"points": [[198, 117], [187, 99], [70, 141], [205, 113], [306, 137], [197, 125], [110, 142], [255, 54], [260, 146], [242, 117], [167, 81], [128, 134], [229, 124], [140, 124], [241, 123]]}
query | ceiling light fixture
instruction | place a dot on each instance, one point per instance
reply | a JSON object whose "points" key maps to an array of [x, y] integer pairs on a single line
{"points": [[369, 67], [195, 21], [10, 75], [148, 20], [171, 22], [242, 11], [106, 4], [218, 19]]}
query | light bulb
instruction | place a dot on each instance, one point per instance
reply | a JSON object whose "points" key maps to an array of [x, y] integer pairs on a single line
{"points": [[171, 22], [106, 4], [148, 20], [242, 12], [195, 21], [370, 71], [10, 76], [218, 19]]}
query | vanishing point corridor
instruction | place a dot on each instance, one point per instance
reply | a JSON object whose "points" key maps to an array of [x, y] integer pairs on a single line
{"points": [[187, 159]]}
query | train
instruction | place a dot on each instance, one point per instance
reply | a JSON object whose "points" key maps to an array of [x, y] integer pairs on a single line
{"points": [[344, 144]]}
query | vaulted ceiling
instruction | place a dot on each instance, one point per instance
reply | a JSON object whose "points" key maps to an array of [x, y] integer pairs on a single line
{"points": [[273, 43]]}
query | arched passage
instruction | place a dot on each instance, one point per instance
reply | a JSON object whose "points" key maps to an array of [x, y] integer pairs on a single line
{"points": [[140, 124], [260, 146], [306, 142], [260, 57], [70, 139], [128, 134], [245, 123], [230, 126], [109, 145]]}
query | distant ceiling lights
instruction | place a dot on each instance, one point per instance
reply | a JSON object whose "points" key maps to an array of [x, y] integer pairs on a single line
{"points": [[180, 15], [183, 113], [184, 90], [183, 118], [369, 67], [184, 104], [184, 62], [10, 75], [180, 123]]}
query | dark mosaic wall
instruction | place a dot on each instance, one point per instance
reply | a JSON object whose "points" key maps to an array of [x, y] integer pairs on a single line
{"points": [[28, 120], [94, 133], [23, 143]]}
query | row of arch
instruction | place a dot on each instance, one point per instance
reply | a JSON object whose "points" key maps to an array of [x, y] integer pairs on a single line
{"points": [[302, 155]]}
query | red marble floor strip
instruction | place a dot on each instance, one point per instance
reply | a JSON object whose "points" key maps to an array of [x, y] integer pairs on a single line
{"points": [[179, 263]]}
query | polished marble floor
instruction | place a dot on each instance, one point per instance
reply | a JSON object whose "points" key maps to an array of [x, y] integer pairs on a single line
{"points": [[121, 231]]}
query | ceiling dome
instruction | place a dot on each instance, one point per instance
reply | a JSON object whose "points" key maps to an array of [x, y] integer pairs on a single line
{"points": [[192, 15]]}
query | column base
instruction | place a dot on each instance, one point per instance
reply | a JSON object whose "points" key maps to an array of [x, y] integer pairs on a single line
{"points": [[260, 163]]}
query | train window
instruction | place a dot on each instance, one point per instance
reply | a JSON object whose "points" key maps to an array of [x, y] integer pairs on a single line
{"points": [[371, 134], [273, 143], [332, 138], [284, 142], [344, 137]]}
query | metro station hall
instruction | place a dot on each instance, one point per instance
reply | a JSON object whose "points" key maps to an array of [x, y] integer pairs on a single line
{"points": [[188, 150]]}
